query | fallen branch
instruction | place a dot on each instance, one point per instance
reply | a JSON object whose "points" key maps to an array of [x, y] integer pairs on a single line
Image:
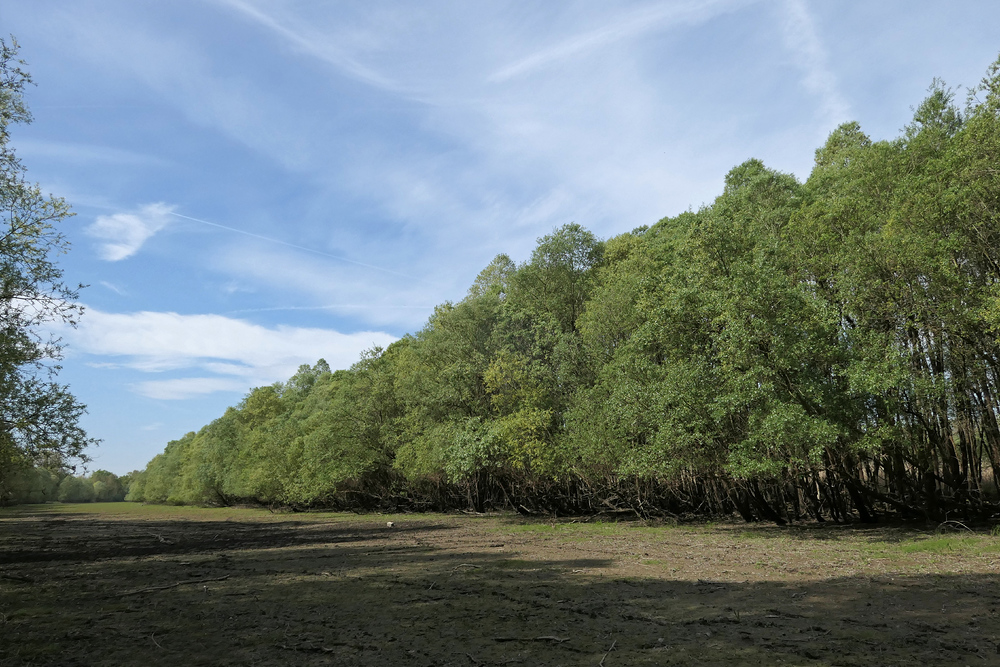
{"points": [[551, 638], [179, 583], [952, 522], [601, 664]]}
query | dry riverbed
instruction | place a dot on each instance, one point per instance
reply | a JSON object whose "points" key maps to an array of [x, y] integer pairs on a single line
{"points": [[115, 584]]}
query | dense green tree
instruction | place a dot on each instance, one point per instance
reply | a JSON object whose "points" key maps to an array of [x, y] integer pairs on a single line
{"points": [[38, 416], [827, 349], [30, 485], [108, 487], [556, 281], [75, 490]]}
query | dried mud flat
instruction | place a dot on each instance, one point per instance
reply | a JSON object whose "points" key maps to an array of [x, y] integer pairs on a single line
{"points": [[121, 584]]}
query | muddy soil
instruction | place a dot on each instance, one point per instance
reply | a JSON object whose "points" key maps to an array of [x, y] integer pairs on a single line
{"points": [[117, 584]]}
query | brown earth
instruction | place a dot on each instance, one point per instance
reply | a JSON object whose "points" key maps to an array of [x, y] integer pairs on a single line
{"points": [[126, 584]]}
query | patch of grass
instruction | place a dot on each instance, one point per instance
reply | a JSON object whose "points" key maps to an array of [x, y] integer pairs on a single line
{"points": [[750, 535], [951, 545], [658, 528], [972, 544], [589, 528]]}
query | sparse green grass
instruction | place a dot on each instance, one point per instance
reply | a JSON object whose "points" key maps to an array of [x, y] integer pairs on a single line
{"points": [[126, 583], [971, 544], [950, 545], [594, 527], [752, 535], [581, 528]]}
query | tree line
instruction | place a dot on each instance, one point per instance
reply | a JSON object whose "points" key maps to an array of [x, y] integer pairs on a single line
{"points": [[827, 349], [43, 484]]}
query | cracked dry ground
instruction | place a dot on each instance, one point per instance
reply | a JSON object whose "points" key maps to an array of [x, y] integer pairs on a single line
{"points": [[129, 584]]}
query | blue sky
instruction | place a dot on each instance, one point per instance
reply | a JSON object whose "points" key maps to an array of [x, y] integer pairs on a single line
{"points": [[261, 183]]}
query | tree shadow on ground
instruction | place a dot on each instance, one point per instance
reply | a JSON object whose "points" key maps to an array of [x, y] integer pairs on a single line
{"points": [[433, 592]]}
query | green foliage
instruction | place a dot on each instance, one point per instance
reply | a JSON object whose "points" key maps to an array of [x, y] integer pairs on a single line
{"points": [[30, 485], [137, 486], [827, 348], [38, 417], [75, 490], [557, 280], [108, 487]]}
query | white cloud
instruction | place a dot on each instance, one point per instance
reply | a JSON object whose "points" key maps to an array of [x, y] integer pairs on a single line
{"points": [[373, 296], [180, 71], [577, 142], [85, 154], [647, 19], [300, 248], [182, 388], [603, 141], [122, 234], [235, 354], [802, 39], [315, 45], [114, 288]]}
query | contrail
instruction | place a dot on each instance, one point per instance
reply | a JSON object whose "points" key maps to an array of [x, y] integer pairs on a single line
{"points": [[292, 245], [333, 306]]}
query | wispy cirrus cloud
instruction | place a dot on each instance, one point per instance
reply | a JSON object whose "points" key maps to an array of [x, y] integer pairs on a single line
{"points": [[114, 288], [647, 19], [298, 281], [85, 154], [801, 37], [182, 388], [221, 353], [122, 234], [294, 246], [314, 45]]}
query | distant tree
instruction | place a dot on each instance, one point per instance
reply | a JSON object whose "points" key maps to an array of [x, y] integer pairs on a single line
{"points": [[29, 485], [39, 418], [107, 487], [75, 490], [137, 486]]}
